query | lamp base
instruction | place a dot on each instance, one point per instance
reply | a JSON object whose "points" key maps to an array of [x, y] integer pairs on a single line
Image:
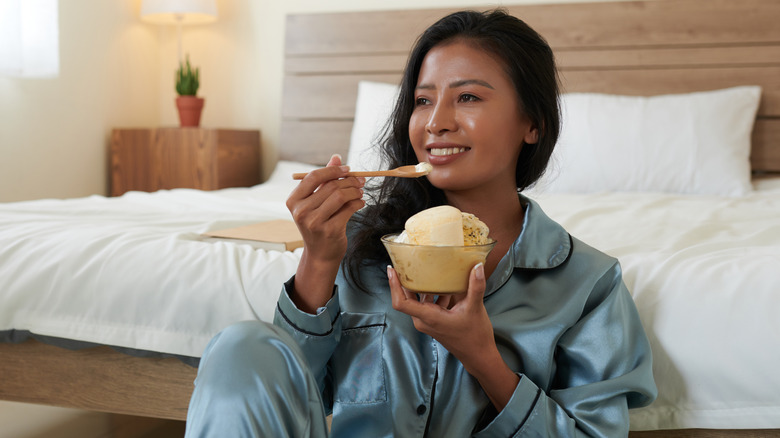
{"points": [[190, 109]]}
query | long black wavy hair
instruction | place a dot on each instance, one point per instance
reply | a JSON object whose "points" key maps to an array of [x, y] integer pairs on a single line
{"points": [[530, 64]]}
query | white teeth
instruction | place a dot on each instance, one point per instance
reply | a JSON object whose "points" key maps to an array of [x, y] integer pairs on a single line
{"points": [[447, 151]]}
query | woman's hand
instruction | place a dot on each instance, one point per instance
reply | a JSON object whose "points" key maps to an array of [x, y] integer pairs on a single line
{"points": [[321, 206], [460, 323]]}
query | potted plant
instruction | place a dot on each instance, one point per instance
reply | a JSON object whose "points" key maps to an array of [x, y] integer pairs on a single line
{"points": [[189, 105]]}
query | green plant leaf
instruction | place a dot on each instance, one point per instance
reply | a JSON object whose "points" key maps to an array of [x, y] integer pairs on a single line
{"points": [[187, 79]]}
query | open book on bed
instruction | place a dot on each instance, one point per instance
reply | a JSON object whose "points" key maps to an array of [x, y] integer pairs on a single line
{"points": [[279, 235]]}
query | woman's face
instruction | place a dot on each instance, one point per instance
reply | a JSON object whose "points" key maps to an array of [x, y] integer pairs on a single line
{"points": [[467, 121]]}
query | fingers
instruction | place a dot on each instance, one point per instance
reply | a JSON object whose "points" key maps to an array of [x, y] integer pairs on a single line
{"points": [[397, 292], [402, 299], [334, 202], [318, 177], [425, 298], [336, 194], [326, 194], [335, 160], [405, 301], [476, 291], [334, 170], [446, 301], [423, 311]]}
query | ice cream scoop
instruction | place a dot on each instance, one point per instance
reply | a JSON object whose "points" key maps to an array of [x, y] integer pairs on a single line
{"points": [[444, 225]]}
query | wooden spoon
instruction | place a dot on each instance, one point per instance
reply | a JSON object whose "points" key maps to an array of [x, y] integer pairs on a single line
{"points": [[411, 171]]}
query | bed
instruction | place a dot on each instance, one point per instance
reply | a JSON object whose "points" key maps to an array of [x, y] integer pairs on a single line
{"points": [[106, 303]]}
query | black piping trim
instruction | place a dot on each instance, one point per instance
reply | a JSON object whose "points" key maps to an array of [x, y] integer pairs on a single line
{"points": [[364, 327], [533, 406], [332, 323], [433, 393]]}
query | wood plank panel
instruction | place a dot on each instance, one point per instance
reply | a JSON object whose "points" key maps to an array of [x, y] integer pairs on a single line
{"points": [[325, 97], [98, 379], [374, 63], [379, 32], [765, 155], [665, 81], [329, 97], [732, 56], [650, 23], [608, 24], [747, 56], [314, 141]]}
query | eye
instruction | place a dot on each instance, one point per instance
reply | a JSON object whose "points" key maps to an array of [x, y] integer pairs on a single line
{"points": [[467, 97], [421, 101]]}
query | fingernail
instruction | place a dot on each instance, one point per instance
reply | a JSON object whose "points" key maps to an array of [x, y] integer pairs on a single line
{"points": [[344, 168], [336, 156], [479, 271], [389, 272]]}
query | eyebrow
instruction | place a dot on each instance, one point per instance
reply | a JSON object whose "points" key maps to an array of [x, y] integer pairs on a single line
{"points": [[456, 84]]}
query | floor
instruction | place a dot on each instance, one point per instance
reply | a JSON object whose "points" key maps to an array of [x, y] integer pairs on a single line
{"points": [[21, 420]]}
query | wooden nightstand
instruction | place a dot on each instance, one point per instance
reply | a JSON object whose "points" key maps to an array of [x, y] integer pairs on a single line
{"points": [[198, 158]]}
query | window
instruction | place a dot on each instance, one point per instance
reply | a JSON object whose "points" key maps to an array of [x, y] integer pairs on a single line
{"points": [[29, 32]]}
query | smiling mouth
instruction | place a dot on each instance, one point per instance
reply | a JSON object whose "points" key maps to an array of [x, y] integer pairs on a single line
{"points": [[446, 151]]}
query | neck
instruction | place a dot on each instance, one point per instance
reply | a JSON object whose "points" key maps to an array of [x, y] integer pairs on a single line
{"points": [[501, 212]]}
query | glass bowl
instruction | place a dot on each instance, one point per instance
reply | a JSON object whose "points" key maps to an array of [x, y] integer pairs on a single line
{"points": [[435, 269]]}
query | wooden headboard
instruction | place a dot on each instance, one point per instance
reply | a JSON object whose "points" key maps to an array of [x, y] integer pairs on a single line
{"points": [[634, 48]]}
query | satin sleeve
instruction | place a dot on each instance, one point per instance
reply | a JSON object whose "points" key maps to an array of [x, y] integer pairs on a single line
{"points": [[604, 367], [317, 335]]}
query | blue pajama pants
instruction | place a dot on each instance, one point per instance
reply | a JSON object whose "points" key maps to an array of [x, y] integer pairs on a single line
{"points": [[253, 381]]}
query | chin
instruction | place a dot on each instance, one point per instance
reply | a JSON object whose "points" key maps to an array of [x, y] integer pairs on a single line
{"points": [[447, 182]]}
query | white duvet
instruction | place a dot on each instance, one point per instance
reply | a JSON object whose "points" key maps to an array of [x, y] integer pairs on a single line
{"points": [[705, 275], [133, 272]]}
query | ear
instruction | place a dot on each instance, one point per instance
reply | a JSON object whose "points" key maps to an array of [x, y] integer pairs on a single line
{"points": [[532, 137]]}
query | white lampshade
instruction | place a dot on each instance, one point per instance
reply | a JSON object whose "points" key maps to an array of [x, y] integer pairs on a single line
{"points": [[179, 11]]}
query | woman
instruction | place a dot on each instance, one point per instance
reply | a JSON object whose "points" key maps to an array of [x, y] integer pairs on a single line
{"points": [[546, 341]]}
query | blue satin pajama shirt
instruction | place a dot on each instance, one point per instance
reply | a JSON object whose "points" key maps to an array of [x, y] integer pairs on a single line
{"points": [[563, 321]]}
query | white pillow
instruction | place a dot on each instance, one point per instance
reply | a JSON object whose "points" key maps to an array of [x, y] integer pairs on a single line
{"points": [[373, 108], [284, 170], [695, 143]]}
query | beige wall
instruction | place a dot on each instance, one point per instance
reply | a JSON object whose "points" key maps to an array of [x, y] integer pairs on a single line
{"points": [[118, 71], [53, 132]]}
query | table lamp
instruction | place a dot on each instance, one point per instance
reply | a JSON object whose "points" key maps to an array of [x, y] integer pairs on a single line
{"points": [[179, 12]]}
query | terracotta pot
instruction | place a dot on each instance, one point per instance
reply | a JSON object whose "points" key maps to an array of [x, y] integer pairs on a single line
{"points": [[190, 108]]}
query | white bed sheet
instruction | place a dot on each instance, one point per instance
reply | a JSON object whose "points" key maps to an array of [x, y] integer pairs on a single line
{"points": [[705, 274], [132, 272]]}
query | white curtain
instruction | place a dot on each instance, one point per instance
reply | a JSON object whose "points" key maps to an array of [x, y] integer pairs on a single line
{"points": [[29, 38]]}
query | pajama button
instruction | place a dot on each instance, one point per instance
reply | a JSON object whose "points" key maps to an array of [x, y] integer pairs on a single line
{"points": [[421, 409]]}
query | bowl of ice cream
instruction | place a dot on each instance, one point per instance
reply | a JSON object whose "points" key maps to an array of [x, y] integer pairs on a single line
{"points": [[437, 250]]}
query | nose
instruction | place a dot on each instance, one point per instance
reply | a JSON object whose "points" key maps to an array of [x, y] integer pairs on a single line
{"points": [[441, 119]]}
